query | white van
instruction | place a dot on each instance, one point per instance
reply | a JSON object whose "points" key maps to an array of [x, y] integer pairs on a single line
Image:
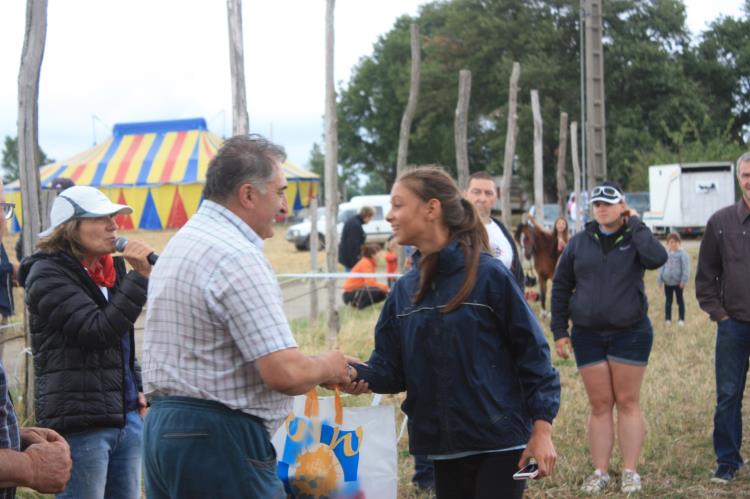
{"points": [[378, 230]]}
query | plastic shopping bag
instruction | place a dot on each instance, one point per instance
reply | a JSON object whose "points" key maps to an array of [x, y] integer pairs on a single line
{"points": [[326, 451]]}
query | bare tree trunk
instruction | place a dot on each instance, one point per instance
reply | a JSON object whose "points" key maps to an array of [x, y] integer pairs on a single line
{"points": [[331, 162], [240, 120], [562, 149], [28, 156], [576, 175], [510, 143], [538, 164], [460, 128], [408, 117], [313, 259], [411, 104]]}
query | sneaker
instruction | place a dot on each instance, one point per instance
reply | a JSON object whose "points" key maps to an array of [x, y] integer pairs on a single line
{"points": [[631, 482], [595, 483], [668, 323], [681, 323], [724, 474]]}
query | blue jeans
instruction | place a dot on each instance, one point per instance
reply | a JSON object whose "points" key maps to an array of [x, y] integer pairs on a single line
{"points": [[106, 461], [196, 448], [732, 354]]}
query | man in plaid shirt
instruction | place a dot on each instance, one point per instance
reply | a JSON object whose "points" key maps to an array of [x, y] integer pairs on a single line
{"points": [[220, 362], [37, 458]]}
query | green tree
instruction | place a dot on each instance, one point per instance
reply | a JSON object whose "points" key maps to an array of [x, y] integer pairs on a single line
{"points": [[10, 159], [652, 84], [348, 180]]}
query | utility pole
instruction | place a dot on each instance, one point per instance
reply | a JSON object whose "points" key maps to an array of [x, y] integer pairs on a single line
{"points": [[596, 143]]}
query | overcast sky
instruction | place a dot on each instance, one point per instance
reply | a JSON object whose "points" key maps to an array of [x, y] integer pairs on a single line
{"points": [[109, 62]]}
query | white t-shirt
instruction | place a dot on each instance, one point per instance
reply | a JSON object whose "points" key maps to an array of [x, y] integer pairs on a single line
{"points": [[499, 245]]}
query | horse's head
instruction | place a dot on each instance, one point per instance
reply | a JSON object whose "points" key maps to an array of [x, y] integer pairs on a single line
{"points": [[525, 237]]}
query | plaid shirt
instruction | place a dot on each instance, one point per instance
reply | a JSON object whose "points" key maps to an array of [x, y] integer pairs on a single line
{"points": [[214, 307], [9, 435]]}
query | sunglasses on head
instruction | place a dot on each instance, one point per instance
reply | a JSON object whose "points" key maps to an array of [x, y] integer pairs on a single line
{"points": [[605, 190], [8, 210]]}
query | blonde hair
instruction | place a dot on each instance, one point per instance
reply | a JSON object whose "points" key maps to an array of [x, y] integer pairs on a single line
{"points": [[64, 239]]}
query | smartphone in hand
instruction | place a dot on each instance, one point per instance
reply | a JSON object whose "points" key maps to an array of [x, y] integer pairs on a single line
{"points": [[528, 472]]}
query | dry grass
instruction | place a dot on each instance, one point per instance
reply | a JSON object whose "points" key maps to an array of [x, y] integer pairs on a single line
{"points": [[677, 397]]}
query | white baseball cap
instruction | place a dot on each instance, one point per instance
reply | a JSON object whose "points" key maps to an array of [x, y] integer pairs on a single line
{"points": [[82, 201]]}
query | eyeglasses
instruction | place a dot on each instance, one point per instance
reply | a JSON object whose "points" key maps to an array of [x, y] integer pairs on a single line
{"points": [[8, 210], [606, 190]]}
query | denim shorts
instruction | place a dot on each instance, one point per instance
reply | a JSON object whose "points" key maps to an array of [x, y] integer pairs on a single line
{"points": [[628, 346]]}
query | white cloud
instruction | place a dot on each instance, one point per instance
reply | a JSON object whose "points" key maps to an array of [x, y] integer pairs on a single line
{"points": [[152, 60]]}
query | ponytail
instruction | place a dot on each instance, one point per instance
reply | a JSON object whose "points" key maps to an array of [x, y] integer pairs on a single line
{"points": [[463, 223]]}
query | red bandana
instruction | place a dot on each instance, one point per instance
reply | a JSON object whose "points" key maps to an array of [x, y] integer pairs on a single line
{"points": [[103, 271]]}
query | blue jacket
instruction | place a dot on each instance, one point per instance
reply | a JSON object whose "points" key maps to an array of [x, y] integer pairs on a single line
{"points": [[604, 291], [475, 378]]}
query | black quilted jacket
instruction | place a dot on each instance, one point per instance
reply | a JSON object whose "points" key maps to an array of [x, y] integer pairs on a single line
{"points": [[76, 337]]}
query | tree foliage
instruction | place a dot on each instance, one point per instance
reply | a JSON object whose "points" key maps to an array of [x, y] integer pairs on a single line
{"points": [[10, 159], [656, 80]]}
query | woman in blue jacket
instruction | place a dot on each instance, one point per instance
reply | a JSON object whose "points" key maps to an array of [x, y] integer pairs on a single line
{"points": [[598, 286], [456, 334]]}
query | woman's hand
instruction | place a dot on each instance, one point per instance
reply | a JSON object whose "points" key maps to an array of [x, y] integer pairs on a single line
{"points": [[563, 347], [540, 448], [136, 254]]}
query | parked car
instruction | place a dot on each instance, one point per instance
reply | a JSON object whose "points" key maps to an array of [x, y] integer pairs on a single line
{"points": [[639, 201], [378, 230]]}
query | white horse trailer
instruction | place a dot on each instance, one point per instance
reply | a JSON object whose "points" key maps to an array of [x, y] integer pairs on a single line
{"points": [[684, 196]]}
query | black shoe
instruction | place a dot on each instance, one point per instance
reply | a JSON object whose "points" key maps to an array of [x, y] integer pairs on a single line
{"points": [[724, 474]]}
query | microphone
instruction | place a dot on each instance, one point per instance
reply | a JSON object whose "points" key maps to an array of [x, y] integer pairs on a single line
{"points": [[121, 242]]}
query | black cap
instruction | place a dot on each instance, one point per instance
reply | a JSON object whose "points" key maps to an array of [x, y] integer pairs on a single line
{"points": [[61, 183]]}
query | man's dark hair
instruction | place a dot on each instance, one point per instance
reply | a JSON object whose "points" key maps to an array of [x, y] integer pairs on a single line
{"points": [[483, 175], [241, 159]]}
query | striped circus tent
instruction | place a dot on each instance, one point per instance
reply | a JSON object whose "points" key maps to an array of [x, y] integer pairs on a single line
{"points": [[158, 168]]}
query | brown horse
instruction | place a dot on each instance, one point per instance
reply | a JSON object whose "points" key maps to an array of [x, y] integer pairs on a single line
{"points": [[540, 246]]}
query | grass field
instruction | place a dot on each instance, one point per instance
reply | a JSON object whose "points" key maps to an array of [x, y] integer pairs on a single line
{"points": [[677, 397]]}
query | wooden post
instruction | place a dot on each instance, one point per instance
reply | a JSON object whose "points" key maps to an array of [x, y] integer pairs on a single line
{"points": [[240, 120], [538, 164], [411, 104], [460, 128], [562, 149], [313, 260], [510, 144], [578, 225], [28, 156], [331, 174]]}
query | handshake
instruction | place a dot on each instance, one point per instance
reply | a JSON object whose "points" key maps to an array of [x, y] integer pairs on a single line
{"points": [[348, 373]]}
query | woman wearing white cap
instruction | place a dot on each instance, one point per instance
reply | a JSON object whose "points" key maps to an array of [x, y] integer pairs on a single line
{"points": [[82, 307], [598, 286]]}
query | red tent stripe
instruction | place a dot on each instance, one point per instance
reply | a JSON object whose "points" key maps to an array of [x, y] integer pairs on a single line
{"points": [[207, 148], [172, 158], [77, 172], [125, 163]]}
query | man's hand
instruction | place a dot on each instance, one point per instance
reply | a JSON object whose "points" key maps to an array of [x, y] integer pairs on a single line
{"points": [[563, 347], [142, 404], [30, 436], [540, 448], [49, 466]]}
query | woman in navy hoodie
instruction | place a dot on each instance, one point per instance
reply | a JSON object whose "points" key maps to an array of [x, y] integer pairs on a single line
{"points": [[456, 334]]}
